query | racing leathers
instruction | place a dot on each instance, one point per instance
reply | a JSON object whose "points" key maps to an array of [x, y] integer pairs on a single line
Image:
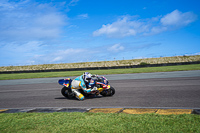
{"points": [[78, 83]]}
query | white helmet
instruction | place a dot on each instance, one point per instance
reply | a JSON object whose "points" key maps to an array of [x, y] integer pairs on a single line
{"points": [[87, 77]]}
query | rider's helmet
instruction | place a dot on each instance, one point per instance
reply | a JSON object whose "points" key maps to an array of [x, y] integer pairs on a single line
{"points": [[87, 77]]}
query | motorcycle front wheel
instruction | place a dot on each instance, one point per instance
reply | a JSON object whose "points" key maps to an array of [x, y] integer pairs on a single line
{"points": [[109, 92], [66, 92]]}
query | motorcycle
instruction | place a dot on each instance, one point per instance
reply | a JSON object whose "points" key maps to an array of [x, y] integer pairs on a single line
{"points": [[100, 82]]}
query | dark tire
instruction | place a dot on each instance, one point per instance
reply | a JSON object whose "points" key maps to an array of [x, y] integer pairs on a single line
{"points": [[112, 91], [109, 92], [66, 92]]}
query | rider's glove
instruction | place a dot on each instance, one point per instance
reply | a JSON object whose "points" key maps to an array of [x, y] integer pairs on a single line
{"points": [[94, 89]]}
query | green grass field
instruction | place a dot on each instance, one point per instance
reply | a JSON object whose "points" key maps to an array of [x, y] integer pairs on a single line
{"points": [[99, 122], [100, 72]]}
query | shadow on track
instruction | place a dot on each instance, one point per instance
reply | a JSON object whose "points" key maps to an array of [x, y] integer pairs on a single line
{"points": [[90, 97]]}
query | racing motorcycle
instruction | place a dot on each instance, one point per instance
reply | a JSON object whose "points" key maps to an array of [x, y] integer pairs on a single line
{"points": [[100, 82]]}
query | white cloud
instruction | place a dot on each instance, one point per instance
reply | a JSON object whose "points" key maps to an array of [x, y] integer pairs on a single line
{"points": [[73, 2], [178, 18], [20, 54], [16, 48], [53, 56], [25, 21], [144, 8], [67, 54], [4, 5], [156, 30], [130, 26], [121, 28], [116, 48], [50, 20], [83, 16], [197, 53]]}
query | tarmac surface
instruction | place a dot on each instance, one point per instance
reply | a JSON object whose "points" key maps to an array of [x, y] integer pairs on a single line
{"points": [[163, 90]]}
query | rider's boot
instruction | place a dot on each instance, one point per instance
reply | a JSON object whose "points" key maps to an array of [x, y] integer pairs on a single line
{"points": [[79, 96]]}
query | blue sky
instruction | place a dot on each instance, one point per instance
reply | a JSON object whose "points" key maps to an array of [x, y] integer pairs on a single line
{"points": [[65, 31]]}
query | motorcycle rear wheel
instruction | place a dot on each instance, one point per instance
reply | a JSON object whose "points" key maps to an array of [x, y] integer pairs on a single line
{"points": [[66, 92]]}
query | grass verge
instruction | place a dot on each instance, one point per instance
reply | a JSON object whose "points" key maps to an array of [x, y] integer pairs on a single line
{"points": [[99, 122], [100, 72]]}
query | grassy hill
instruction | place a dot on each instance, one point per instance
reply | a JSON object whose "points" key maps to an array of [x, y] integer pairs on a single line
{"points": [[175, 59]]}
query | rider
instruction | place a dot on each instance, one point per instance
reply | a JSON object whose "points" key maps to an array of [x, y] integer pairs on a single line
{"points": [[82, 82]]}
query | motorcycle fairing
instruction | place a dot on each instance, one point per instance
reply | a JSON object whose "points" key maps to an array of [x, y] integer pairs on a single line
{"points": [[65, 82]]}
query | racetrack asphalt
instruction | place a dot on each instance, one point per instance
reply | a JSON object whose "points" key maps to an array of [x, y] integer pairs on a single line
{"points": [[146, 90]]}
